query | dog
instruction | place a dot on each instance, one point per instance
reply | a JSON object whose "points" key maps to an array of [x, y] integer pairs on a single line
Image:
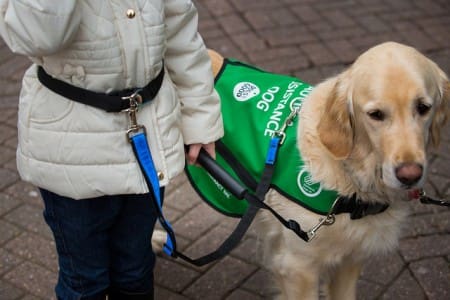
{"points": [[364, 132]]}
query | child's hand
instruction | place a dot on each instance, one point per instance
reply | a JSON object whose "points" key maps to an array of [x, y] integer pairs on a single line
{"points": [[194, 149]]}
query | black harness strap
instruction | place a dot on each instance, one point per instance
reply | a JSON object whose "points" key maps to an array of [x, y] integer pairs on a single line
{"points": [[357, 208], [114, 102]]}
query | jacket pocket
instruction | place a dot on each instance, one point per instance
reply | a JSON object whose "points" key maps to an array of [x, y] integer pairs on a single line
{"points": [[48, 107]]}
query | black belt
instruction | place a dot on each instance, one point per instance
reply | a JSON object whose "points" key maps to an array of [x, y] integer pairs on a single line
{"points": [[114, 102]]}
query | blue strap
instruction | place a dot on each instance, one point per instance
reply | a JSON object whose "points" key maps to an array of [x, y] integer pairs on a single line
{"points": [[272, 151], [144, 157]]}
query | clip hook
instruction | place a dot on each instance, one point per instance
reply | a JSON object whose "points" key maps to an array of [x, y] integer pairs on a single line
{"points": [[329, 219], [135, 100]]}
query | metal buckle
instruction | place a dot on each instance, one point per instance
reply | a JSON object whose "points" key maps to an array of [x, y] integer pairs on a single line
{"points": [[288, 122], [133, 127], [329, 219]]}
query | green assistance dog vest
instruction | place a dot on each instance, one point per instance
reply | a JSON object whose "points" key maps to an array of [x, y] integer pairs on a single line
{"points": [[255, 105]]}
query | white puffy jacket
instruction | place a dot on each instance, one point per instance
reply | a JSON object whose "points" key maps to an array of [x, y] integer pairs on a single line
{"points": [[80, 151]]}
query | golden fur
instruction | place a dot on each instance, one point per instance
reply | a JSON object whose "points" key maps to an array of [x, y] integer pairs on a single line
{"points": [[364, 131]]}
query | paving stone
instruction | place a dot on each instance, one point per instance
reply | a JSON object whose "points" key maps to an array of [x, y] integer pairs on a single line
{"points": [[209, 29], [6, 155], [319, 54], [440, 166], [33, 278], [7, 203], [286, 65], [427, 246], [404, 288], [367, 290], [175, 184], [27, 193], [343, 50], [240, 294], [166, 294], [271, 18], [9, 292], [33, 247], [220, 280], [11, 142], [338, 18], [287, 36], [15, 67], [7, 113], [7, 231], [312, 76], [248, 250], [7, 177], [227, 48], [427, 224], [433, 275], [209, 241], [306, 13], [269, 34], [172, 275], [30, 218], [261, 55], [244, 5], [373, 24], [183, 198], [233, 23], [383, 269], [12, 166], [32, 297], [249, 42], [196, 222], [8, 261], [6, 132], [12, 104], [261, 283], [218, 7], [341, 33]]}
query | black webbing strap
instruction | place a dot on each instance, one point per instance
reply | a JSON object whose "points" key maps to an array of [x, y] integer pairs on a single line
{"points": [[255, 201], [357, 208], [114, 102], [428, 200], [238, 191]]}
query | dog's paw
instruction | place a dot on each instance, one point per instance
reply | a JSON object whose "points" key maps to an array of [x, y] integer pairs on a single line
{"points": [[158, 240]]}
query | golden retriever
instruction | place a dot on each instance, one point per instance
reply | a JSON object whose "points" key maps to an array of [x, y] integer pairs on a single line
{"points": [[364, 132]]}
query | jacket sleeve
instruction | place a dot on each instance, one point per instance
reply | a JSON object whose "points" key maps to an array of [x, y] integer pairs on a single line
{"points": [[189, 67], [38, 27]]}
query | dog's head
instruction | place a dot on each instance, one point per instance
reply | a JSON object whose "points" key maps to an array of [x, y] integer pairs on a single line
{"points": [[390, 104]]}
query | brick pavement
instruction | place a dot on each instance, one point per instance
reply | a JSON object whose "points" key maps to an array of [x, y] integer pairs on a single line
{"points": [[311, 39]]}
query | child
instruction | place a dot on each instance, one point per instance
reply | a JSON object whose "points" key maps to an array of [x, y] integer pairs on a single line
{"points": [[96, 200]]}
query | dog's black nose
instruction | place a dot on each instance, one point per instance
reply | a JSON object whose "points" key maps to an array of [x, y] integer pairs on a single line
{"points": [[409, 173]]}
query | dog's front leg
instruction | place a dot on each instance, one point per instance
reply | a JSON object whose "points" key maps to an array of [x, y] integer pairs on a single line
{"points": [[343, 281], [294, 286]]}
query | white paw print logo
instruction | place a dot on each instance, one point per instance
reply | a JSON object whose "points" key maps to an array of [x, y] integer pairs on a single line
{"points": [[244, 91]]}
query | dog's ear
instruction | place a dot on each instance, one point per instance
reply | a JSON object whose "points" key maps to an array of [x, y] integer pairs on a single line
{"points": [[442, 110], [335, 127]]}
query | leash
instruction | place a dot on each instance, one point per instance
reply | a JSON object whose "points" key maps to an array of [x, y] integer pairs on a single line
{"points": [[424, 199], [130, 100]]}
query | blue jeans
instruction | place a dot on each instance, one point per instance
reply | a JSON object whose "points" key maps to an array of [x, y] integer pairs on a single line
{"points": [[103, 243]]}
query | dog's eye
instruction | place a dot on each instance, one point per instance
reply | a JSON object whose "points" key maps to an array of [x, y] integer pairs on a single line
{"points": [[422, 108], [376, 115]]}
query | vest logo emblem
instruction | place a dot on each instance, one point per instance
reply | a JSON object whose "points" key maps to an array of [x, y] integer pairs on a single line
{"points": [[244, 91], [308, 187]]}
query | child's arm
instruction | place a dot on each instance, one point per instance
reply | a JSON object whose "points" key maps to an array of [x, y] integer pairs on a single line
{"points": [[189, 66], [37, 27]]}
